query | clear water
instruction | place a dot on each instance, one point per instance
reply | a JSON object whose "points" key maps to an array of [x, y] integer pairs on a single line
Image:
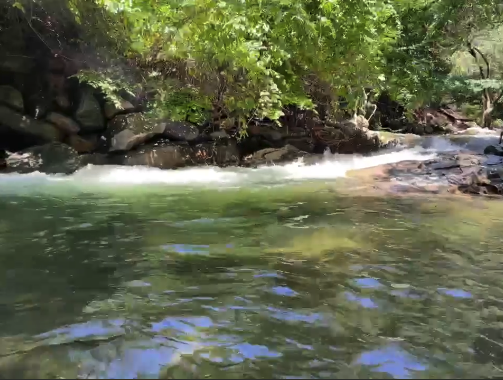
{"points": [[209, 273]]}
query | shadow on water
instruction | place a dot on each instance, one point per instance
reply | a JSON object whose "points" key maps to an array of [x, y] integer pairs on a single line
{"points": [[248, 284]]}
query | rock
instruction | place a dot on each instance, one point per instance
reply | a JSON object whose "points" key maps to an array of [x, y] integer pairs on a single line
{"points": [[88, 112], [112, 109], [51, 158], [125, 132], [496, 150], [220, 134], [38, 105], [179, 130], [269, 132], [56, 83], [274, 155], [168, 155], [17, 64], [469, 124], [63, 123], [417, 129], [27, 125], [3, 156], [83, 145], [428, 129], [11, 97], [63, 101], [127, 140]]}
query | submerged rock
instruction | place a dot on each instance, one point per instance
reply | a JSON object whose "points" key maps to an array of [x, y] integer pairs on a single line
{"points": [[496, 150]]}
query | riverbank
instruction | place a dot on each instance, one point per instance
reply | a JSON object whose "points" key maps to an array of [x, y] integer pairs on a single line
{"points": [[418, 166]]}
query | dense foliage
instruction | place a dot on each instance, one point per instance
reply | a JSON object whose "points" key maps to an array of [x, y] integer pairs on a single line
{"points": [[251, 58]]}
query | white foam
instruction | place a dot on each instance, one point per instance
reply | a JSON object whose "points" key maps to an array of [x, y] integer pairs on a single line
{"points": [[332, 167]]}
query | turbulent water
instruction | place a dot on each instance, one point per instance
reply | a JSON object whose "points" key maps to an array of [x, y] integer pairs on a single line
{"points": [[120, 272]]}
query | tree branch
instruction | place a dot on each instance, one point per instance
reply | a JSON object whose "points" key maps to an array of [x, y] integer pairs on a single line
{"points": [[473, 52], [488, 72]]}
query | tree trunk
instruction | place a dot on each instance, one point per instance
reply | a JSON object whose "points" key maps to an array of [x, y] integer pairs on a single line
{"points": [[487, 108]]}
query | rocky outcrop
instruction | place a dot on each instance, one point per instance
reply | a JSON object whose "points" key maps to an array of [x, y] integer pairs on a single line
{"points": [[42, 109], [89, 114], [450, 173]]}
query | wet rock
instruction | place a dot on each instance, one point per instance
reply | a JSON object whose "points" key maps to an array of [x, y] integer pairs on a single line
{"points": [[126, 132], [88, 112], [63, 123], [113, 109], [53, 158], [167, 155], [496, 150], [274, 155], [26, 125], [179, 130], [11, 97]]}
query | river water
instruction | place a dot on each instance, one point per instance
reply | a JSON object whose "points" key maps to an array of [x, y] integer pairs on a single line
{"points": [[246, 273]]}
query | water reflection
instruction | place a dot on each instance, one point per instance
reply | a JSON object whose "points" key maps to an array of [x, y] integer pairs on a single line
{"points": [[104, 287], [392, 360]]}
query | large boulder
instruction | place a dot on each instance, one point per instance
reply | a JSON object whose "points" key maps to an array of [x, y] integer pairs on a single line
{"points": [[348, 136], [126, 132], [12, 98], [53, 158], [83, 144], [88, 112], [179, 130], [22, 124], [63, 123]]}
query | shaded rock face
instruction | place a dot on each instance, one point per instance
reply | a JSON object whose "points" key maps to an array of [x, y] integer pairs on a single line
{"points": [[167, 155], [88, 113], [11, 97], [22, 124], [51, 158]]}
